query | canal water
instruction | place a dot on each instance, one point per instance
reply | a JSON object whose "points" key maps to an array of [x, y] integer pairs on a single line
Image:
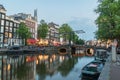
{"points": [[41, 67]]}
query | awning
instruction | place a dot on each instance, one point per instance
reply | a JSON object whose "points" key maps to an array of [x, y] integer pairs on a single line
{"points": [[31, 41]]}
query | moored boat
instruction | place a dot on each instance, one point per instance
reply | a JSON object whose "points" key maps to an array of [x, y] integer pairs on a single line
{"points": [[101, 54], [92, 70]]}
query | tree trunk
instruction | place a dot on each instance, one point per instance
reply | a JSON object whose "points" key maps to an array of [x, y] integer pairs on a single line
{"points": [[114, 45]]}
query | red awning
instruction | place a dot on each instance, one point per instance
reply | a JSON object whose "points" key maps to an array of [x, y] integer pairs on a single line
{"points": [[31, 41]]}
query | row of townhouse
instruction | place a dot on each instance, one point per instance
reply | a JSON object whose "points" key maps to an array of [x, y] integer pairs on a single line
{"points": [[9, 25]]}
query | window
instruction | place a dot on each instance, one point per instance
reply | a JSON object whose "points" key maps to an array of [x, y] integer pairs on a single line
{"points": [[0, 15], [3, 16], [14, 29], [6, 28], [1, 37], [30, 29], [2, 29], [6, 34], [5, 41], [33, 30], [0, 40], [11, 24], [2, 22], [10, 35], [10, 29], [14, 35], [7, 23], [15, 25]]}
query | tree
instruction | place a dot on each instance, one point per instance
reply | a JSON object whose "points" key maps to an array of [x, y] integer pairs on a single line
{"points": [[74, 37], [65, 30], [42, 29], [80, 41], [23, 32], [109, 20]]}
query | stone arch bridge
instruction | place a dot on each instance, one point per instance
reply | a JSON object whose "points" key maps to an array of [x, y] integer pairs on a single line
{"points": [[78, 50]]}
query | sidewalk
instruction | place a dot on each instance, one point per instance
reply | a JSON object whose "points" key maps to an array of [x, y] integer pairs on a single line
{"points": [[115, 69], [105, 74], [111, 70]]}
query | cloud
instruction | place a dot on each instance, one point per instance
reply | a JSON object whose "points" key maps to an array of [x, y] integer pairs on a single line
{"points": [[85, 24]]}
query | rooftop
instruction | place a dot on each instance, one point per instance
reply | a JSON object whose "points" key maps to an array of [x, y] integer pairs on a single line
{"points": [[2, 7]]}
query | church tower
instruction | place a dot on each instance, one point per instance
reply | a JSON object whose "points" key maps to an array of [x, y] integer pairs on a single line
{"points": [[35, 14], [36, 22]]}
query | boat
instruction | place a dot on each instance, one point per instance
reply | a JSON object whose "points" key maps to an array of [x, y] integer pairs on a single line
{"points": [[92, 70], [101, 54], [14, 50], [15, 47]]}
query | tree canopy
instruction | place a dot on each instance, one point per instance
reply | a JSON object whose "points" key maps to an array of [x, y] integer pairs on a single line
{"points": [[108, 21], [65, 31], [42, 30], [23, 31]]}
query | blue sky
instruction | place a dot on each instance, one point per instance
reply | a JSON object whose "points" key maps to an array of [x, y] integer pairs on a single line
{"points": [[79, 14]]}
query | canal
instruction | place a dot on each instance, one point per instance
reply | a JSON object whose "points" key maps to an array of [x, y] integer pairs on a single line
{"points": [[41, 67]]}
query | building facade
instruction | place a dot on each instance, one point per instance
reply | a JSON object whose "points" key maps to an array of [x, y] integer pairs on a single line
{"points": [[11, 37], [29, 20], [53, 33], [8, 27], [2, 20]]}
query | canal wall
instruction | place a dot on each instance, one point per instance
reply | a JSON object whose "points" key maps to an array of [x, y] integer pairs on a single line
{"points": [[105, 74], [111, 69]]}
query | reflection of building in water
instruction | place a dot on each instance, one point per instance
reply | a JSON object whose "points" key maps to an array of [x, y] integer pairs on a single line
{"points": [[5, 66], [51, 63], [31, 63], [9, 67], [12, 66]]}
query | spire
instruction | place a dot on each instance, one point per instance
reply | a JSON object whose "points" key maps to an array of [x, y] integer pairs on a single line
{"points": [[35, 14]]}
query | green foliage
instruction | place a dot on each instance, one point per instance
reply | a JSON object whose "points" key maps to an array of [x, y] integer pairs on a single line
{"points": [[65, 30], [80, 42], [23, 31], [109, 19], [74, 37], [42, 29]]}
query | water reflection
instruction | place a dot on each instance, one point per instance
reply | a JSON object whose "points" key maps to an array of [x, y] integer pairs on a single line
{"points": [[66, 66], [38, 67]]}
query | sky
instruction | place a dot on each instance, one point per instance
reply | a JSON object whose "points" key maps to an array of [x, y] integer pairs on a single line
{"points": [[79, 14]]}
